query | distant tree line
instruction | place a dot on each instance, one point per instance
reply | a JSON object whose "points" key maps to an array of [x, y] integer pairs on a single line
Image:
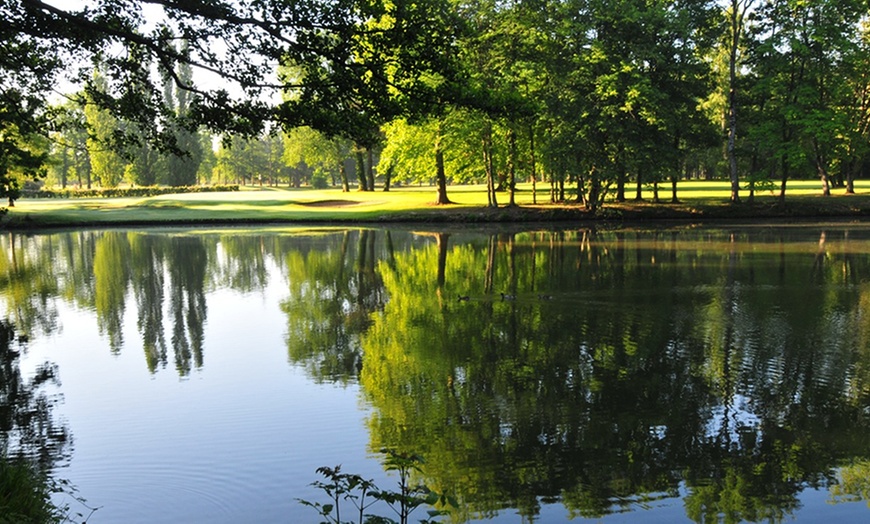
{"points": [[586, 99]]}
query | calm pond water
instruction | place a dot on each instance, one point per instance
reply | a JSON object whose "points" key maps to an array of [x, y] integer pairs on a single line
{"points": [[686, 374]]}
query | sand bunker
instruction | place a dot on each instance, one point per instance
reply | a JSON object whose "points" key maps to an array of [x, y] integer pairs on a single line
{"points": [[330, 203]]}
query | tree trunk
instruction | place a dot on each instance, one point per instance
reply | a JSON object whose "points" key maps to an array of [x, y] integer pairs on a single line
{"points": [[491, 199], [512, 162], [783, 181], [639, 195], [532, 163], [388, 175], [821, 169], [591, 201], [620, 184], [440, 175], [342, 172], [732, 101], [361, 170], [552, 188], [370, 169], [620, 175], [850, 177], [64, 167]]}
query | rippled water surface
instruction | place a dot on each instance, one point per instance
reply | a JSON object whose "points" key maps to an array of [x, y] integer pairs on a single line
{"points": [[661, 375]]}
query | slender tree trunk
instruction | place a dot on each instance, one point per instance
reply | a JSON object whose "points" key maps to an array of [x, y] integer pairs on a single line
{"points": [[594, 190], [388, 175], [783, 180], [732, 100], [370, 169], [850, 176], [512, 162], [821, 169], [639, 194], [621, 174], [342, 172], [753, 168], [440, 175], [64, 167], [491, 199], [552, 187], [361, 170], [620, 184], [532, 163], [678, 167]]}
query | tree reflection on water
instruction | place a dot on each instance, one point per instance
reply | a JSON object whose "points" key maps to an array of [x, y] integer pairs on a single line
{"points": [[726, 367]]}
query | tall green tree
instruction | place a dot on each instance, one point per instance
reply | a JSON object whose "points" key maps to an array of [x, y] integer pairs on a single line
{"points": [[410, 152], [71, 160], [364, 62], [21, 156], [209, 158], [799, 61], [736, 15], [251, 160], [309, 147], [147, 164], [855, 106], [184, 159], [107, 164]]}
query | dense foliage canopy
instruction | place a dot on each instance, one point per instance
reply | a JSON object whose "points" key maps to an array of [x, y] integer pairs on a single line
{"points": [[594, 94]]}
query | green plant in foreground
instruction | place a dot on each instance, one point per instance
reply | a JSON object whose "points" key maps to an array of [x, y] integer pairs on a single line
{"points": [[25, 494], [364, 493]]}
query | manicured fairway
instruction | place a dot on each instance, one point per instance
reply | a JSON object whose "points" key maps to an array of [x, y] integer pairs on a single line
{"points": [[262, 204]]}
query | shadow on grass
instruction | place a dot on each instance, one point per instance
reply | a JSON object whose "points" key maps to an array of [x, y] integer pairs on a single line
{"points": [[174, 204]]}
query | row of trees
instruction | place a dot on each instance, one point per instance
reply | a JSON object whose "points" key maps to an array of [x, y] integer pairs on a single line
{"points": [[598, 95], [78, 158]]}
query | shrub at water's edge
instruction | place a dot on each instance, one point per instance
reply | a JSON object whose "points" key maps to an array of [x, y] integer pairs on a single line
{"points": [[25, 494]]}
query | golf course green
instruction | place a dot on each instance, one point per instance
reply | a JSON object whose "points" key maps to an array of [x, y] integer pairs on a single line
{"points": [[699, 200]]}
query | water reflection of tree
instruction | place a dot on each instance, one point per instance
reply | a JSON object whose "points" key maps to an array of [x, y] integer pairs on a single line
{"points": [[99, 270], [243, 264], [664, 359], [615, 391], [187, 260], [148, 252], [112, 273], [333, 291], [29, 289], [28, 427]]}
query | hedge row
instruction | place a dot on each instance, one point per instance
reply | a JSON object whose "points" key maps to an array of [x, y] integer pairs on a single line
{"points": [[145, 191]]}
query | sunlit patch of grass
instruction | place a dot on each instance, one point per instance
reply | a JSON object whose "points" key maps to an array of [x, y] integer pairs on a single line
{"points": [[281, 204]]}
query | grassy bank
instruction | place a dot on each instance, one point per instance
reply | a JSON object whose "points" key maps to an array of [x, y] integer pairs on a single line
{"points": [[697, 201]]}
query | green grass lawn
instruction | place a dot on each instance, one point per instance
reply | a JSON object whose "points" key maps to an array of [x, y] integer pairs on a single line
{"points": [[256, 204]]}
